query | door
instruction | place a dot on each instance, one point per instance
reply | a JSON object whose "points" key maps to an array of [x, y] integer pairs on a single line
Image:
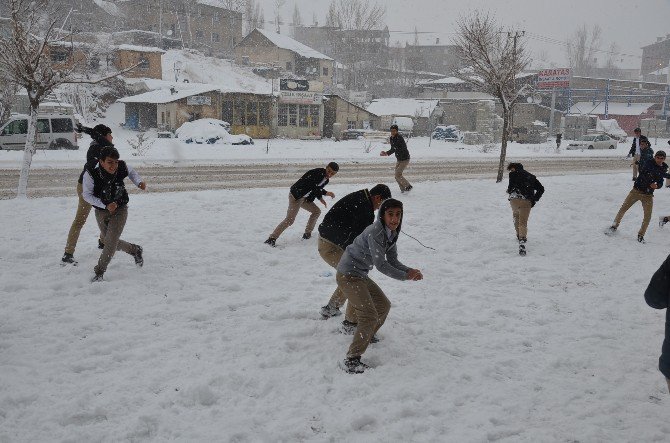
{"points": [[43, 133]]}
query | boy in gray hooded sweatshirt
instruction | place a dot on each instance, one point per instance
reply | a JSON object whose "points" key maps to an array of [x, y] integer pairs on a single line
{"points": [[374, 247]]}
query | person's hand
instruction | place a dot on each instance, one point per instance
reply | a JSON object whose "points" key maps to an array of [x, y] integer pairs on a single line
{"points": [[383, 154], [330, 194], [654, 186], [112, 207], [142, 186], [414, 274], [323, 202]]}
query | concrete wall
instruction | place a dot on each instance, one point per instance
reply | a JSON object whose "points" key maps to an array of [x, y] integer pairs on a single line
{"points": [[126, 58]]}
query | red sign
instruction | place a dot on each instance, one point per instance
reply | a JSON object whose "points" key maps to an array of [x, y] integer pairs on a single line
{"points": [[554, 78]]}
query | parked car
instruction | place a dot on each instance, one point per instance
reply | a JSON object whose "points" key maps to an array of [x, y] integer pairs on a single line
{"points": [[54, 131], [210, 131], [449, 133], [353, 134], [594, 141]]}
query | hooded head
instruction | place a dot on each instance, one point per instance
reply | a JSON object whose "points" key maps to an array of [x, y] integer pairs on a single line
{"points": [[387, 205], [516, 166]]}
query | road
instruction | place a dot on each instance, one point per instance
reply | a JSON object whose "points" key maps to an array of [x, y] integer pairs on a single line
{"points": [[61, 182]]}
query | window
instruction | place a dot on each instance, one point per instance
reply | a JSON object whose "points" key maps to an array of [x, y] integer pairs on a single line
{"points": [[43, 126], [252, 113], [162, 117], [264, 118], [239, 113], [62, 125], [325, 71], [288, 115], [227, 111], [16, 127], [289, 66], [314, 116], [292, 115], [216, 17], [143, 64], [199, 35], [59, 55], [351, 125], [216, 37]]}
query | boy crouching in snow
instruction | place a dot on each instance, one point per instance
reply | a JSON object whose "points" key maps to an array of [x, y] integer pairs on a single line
{"points": [[374, 247], [105, 191]]}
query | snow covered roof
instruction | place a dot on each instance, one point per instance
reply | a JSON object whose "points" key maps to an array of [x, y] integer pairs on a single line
{"points": [[286, 42], [410, 107], [443, 81], [140, 48], [613, 108], [161, 96], [662, 71], [473, 95], [109, 7]]}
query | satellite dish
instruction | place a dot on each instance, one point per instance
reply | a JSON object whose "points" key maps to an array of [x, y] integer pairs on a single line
{"points": [[169, 32], [529, 99], [535, 99]]}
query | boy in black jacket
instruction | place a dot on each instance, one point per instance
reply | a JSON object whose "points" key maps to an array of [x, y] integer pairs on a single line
{"points": [[102, 136], [657, 296], [524, 191], [302, 195], [341, 225], [399, 148], [105, 191]]}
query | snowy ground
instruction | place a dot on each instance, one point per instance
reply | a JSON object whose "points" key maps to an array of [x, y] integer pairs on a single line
{"points": [[218, 337], [173, 151]]}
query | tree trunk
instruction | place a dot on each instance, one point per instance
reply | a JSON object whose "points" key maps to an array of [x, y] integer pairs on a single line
{"points": [[503, 149], [28, 152]]}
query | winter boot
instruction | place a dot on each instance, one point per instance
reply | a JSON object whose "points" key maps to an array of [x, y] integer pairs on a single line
{"points": [[101, 245], [271, 241], [353, 365], [522, 246], [348, 328], [374, 339], [640, 239], [306, 235], [97, 278], [330, 311], [611, 230], [68, 259], [139, 260], [662, 221]]}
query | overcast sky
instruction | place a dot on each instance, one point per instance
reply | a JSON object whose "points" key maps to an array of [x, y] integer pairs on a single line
{"points": [[631, 24]]}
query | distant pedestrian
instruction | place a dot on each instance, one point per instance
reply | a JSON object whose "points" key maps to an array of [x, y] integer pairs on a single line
{"points": [[657, 296], [375, 247], [635, 151], [524, 191], [650, 178], [302, 194], [101, 136], [341, 225], [105, 191], [399, 148]]}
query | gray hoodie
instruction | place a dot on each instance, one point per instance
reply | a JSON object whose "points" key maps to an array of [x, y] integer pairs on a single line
{"points": [[372, 248]]}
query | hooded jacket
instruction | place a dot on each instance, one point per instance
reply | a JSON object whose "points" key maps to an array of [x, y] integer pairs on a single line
{"points": [[524, 184], [657, 296], [399, 148], [373, 249], [348, 218], [310, 185], [650, 173]]}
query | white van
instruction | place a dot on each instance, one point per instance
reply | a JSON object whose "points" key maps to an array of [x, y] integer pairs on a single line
{"points": [[54, 131], [405, 125]]}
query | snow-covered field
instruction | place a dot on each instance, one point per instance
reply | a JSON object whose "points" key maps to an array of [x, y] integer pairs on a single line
{"points": [[173, 151], [218, 337]]}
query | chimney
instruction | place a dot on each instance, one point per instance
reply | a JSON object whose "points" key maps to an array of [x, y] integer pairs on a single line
{"points": [[437, 41]]}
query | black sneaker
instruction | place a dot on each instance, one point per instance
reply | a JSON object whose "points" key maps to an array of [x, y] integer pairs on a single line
{"points": [[97, 278], [139, 260], [374, 339], [662, 221], [348, 328], [306, 236], [640, 239], [611, 230], [353, 365], [409, 188], [270, 241], [101, 245], [68, 259], [330, 311], [522, 246]]}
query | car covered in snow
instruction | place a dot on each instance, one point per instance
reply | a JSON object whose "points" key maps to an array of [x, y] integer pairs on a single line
{"points": [[449, 133], [593, 141], [210, 131]]}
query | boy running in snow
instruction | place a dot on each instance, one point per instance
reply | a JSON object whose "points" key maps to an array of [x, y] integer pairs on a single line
{"points": [[302, 195], [341, 225], [657, 296], [524, 191], [105, 191], [399, 148], [375, 247]]}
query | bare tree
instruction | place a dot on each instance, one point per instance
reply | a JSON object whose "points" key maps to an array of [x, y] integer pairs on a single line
{"points": [[26, 62], [278, 4], [495, 58], [8, 92], [253, 15], [582, 48], [234, 5], [362, 15], [611, 65], [297, 18]]}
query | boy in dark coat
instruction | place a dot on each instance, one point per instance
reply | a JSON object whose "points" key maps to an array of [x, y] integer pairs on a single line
{"points": [[308, 188], [399, 148], [341, 225], [657, 296], [524, 191]]}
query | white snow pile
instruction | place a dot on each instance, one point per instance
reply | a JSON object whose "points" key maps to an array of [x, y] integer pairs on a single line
{"points": [[286, 42], [408, 107], [610, 127], [218, 337], [210, 131]]}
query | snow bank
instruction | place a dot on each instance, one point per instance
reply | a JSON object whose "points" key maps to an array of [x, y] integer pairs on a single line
{"points": [[218, 337]]}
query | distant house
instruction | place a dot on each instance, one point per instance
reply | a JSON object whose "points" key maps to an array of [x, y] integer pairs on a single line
{"points": [[425, 113], [431, 56], [347, 114], [265, 48], [656, 55], [145, 61], [627, 115]]}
